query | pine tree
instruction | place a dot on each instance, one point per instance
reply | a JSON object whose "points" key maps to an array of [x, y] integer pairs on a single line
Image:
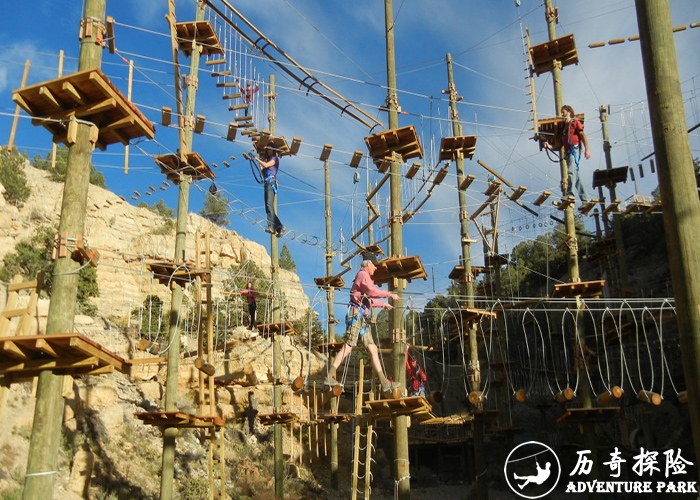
{"points": [[286, 260], [216, 209]]}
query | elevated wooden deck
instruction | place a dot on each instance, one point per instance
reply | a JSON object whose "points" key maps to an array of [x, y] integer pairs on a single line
{"points": [[414, 406], [282, 417], [201, 32], [452, 148], [24, 357], [272, 329], [278, 144], [173, 167], [408, 268], [336, 418], [548, 128], [330, 282], [582, 288], [330, 347], [87, 95], [180, 419], [469, 315], [562, 49], [169, 273], [402, 141], [609, 177]]}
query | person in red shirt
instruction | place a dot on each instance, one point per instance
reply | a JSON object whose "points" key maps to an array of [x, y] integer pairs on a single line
{"points": [[362, 299], [250, 293], [415, 377], [571, 138]]}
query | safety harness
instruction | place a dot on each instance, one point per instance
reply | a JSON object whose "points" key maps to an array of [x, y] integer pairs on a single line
{"points": [[362, 310]]}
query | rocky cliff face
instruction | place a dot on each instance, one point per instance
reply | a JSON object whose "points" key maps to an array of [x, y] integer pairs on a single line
{"points": [[106, 452], [127, 237]]}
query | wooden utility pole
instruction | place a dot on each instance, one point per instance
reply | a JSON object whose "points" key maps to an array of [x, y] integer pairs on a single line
{"points": [[186, 123], [330, 295], [467, 286], [42, 461], [570, 222], [277, 318], [398, 333], [677, 183], [15, 120], [617, 227]]}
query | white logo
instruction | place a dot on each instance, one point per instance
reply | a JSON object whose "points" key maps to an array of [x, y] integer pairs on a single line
{"points": [[532, 470]]}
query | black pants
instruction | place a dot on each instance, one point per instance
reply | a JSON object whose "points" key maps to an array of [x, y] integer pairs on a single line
{"points": [[251, 311]]}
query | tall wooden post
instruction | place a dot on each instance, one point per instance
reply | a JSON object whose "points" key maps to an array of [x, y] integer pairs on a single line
{"points": [[467, 287], [330, 293], [186, 122], [617, 227], [15, 120], [276, 346], [42, 461], [398, 333], [681, 208]]}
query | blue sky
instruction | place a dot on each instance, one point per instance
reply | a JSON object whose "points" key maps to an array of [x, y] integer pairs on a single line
{"points": [[342, 43]]}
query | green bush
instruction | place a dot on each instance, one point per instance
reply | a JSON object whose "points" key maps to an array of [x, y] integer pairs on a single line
{"points": [[13, 178], [58, 174], [33, 255]]}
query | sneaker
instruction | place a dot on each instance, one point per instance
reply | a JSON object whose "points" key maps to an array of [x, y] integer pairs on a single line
{"points": [[388, 389], [269, 230], [331, 381], [281, 231]]}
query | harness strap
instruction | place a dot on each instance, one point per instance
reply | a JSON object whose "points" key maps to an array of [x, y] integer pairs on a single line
{"points": [[574, 151]]}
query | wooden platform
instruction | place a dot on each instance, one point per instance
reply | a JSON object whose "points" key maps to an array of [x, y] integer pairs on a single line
{"points": [[179, 419], [583, 415], [169, 273], [582, 288], [336, 418], [458, 274], [330, 347], [173, 167], [547, 128], [201, 32], [609, 177], [265, 140], [330, 282], [452, 148], [403, 141], [408, 268], [22, 358], [472, 315], [486, 416], [641, 203], [87, 95], [282, 417], [449, 420], [414, 406], [562, 49], [272, 329]]}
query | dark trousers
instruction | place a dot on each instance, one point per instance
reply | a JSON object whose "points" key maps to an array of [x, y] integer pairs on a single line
{"points": [[251, 311], [273, 221]]}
